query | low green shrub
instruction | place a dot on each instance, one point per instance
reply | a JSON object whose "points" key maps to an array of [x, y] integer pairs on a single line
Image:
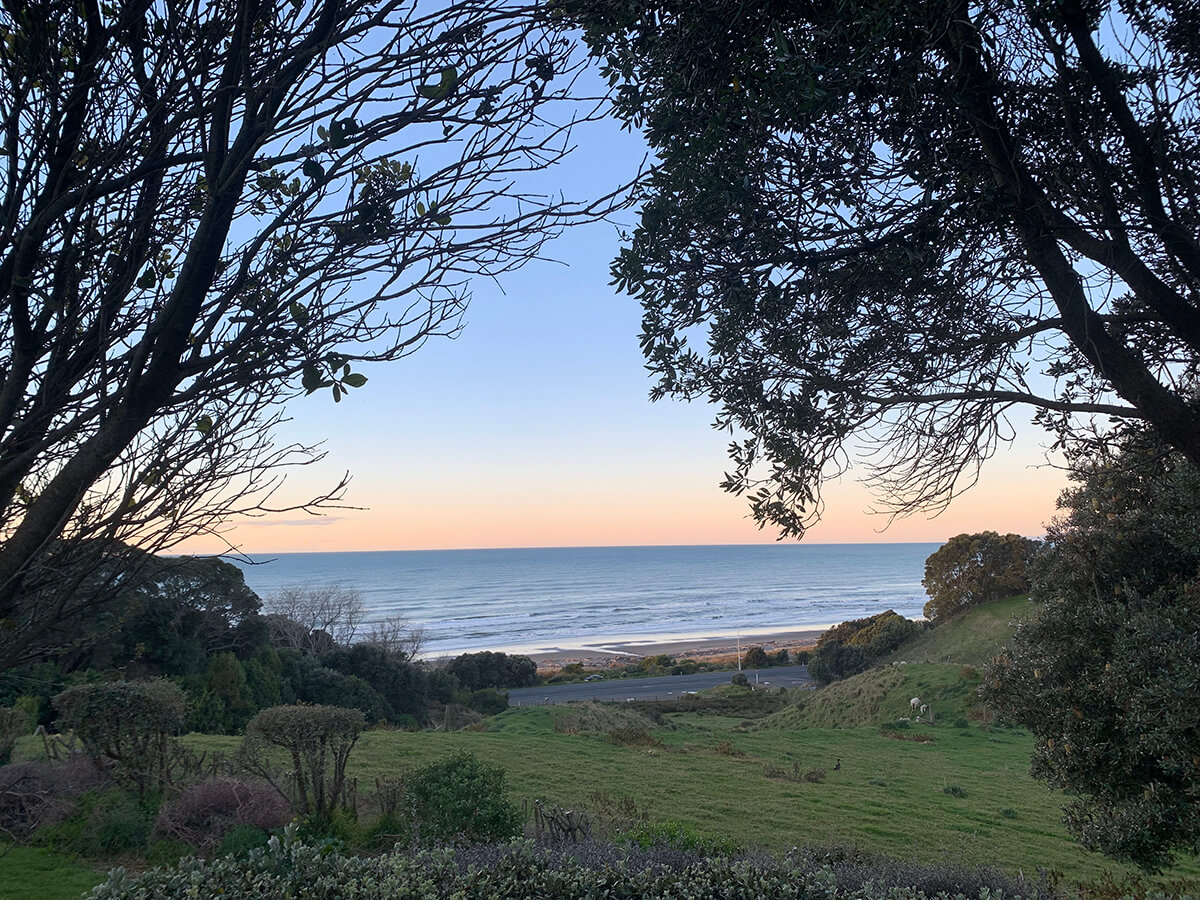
{"points": [[289, 868], [460, 799], [954, 790], [105, 823]]}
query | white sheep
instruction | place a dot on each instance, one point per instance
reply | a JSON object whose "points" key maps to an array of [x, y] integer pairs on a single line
{"points": [[915, 703], [924, 707]]}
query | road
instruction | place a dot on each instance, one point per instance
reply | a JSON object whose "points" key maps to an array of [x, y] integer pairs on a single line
{"points": [[658, 688]]}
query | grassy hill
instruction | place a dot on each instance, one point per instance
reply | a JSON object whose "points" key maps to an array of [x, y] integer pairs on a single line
{"points": [[972, 638]]}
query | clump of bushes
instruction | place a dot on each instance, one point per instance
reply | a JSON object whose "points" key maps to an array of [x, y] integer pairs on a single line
{"points": [[675, 861], [852, 646], [317, 741], [206, 813]]}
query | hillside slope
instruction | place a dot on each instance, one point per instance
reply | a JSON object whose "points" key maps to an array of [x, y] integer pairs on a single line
{"points": [[940, 666], [971, 639]]}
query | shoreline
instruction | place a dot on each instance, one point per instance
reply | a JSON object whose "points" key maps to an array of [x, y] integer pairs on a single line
{"points": [[602, 653]]}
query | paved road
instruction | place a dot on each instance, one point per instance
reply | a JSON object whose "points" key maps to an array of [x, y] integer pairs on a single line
{"points": [[659, 688]]}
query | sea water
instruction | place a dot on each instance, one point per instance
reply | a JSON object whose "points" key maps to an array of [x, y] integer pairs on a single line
{"points": [[525, 600]]}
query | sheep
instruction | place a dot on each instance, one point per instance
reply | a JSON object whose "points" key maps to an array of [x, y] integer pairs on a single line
{"points": [[915, 703], [924, 707]]}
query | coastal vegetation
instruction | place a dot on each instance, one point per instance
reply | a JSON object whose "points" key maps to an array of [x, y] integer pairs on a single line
{"points": [[837, 771]]}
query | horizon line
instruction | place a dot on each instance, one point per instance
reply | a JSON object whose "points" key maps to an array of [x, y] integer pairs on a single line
{"points": [[798, 544]]}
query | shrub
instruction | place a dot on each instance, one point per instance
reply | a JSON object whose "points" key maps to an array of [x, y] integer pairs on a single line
{"points": [[287, 868], [877, 782], [241, 839], [205, 813], [476, 671], [1008, 812], [488, 701], [318, 741], [755, 658], [125, 728], [740, 679], [461, 799], [36, 794], [954, 790], [104, 823]]}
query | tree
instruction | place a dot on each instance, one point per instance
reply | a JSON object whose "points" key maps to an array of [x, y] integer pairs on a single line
{"points": [[1106, 674], [314, 619], [317, 741], [125, 728], [970, 569], [899, 222], [210, 209], [396, 636], [489, 669]]}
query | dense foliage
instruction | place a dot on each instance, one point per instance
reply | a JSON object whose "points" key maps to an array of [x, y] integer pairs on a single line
{"points": [[871, 227], [476, 671], [1107, 674], [520, 871], [970, 569], [460, 799], [852, 646]]}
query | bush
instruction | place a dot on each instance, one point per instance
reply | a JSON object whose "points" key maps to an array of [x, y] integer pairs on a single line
{"points": [[740, 679], [125, 728], [104, 823], [476, 671], [205, 813], [318, 741], [489, 701], [36, 794], [954, 790], [287, 868], [755, 658], [241, 839], [461, 799]]}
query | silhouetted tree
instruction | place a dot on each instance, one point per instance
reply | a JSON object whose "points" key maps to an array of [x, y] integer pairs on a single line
{"points": [[208, 209], [874, 229]]}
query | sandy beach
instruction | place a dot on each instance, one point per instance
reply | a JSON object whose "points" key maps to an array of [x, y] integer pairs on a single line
{"points": [[611, 653]]}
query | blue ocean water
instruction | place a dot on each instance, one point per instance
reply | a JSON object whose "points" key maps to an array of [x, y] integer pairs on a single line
{"points": [[539, 599]]}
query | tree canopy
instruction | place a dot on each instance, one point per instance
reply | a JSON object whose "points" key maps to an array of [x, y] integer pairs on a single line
{"points": [[875, 229], [207, 209], [970, 569], [1106, 673]]}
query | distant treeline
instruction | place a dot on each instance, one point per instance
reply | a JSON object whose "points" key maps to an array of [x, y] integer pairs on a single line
{"points": [[195, 622]]}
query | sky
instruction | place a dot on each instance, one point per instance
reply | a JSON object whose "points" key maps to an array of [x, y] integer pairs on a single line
{"points": [[533, 428]]}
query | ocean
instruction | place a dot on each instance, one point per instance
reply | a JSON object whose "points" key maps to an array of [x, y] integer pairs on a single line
{"points": [[531, 600]]}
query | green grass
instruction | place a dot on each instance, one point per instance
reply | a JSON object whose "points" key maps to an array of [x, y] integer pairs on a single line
{"points": [[688, 780], [27, 873], [972, 638]]}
